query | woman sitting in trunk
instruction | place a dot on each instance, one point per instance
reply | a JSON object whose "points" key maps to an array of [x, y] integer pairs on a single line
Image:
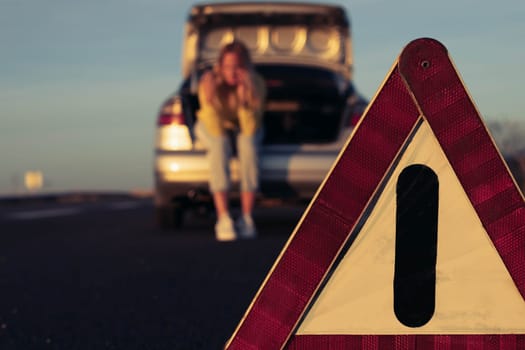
{"points": [[231, 102]]}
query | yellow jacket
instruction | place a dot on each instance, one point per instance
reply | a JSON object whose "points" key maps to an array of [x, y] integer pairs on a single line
{"points": [[225, 112]]}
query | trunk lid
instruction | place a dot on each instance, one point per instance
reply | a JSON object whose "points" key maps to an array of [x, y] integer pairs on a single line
{"points": [[287, 33]]}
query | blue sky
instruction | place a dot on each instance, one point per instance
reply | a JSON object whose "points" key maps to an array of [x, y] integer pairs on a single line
{"points": [[81, 81]]}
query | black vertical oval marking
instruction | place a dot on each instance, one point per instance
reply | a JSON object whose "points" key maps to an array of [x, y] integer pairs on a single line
{"points": [[416, 245]]}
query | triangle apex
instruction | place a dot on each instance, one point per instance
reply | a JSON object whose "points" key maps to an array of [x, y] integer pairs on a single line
{"points": [[419, 55]]}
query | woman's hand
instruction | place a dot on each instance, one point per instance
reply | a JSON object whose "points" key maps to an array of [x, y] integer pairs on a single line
{"points": [[245, 88]]}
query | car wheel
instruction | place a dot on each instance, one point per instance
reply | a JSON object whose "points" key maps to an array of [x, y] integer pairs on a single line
{"points": [[170, 217]]}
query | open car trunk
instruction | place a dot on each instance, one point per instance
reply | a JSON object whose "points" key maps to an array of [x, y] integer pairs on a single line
{"points": [[304, 104]]}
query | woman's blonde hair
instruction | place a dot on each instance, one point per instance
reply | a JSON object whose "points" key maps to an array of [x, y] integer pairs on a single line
{"points": [[238, 48]]}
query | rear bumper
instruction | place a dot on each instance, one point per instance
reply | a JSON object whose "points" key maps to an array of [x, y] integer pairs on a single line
{"points": [[282, 174]]}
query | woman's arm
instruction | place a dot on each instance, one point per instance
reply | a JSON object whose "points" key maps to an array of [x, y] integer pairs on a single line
{"points": [[209, 87], [252, 97], [251, 91], [209, 112]]}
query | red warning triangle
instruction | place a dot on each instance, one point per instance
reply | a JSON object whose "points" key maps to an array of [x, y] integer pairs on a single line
{"points": [[422, 99]]}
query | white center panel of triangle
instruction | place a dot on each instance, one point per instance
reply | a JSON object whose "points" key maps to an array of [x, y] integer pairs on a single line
{"points": [[475, 293]]}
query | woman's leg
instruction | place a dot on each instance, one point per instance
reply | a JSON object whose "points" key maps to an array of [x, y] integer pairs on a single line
{"points": [[220, 199], [247, 202], [218, 153], [248, 153], [248, 148]]}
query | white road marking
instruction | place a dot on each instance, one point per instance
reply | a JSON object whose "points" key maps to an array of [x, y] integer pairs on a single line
{"points": [[44, 213]]}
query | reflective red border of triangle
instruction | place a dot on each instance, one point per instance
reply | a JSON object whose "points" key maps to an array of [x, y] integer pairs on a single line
{"points": [[424, 74]]}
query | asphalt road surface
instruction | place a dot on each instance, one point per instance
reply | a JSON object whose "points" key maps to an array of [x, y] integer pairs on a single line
{"points": [[99, 275]]}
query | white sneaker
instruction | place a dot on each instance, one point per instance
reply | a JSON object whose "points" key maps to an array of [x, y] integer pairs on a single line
{"points": [[246, 227], [224, 230]]}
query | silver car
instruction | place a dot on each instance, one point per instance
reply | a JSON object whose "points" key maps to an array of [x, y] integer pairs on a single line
{"points": [[304, 53]]}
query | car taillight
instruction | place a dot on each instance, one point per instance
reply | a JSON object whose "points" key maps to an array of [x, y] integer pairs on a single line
{"points": [[167, 119], [171, 113], [172, 132]]}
